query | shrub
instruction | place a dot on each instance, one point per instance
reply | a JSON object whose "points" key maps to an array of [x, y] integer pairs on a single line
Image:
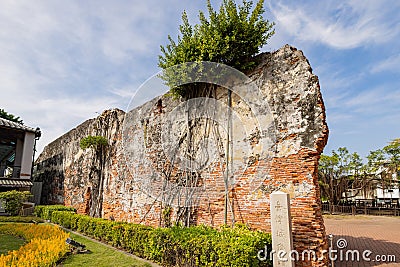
{"points": [[175, 246], [20, 219], [46, 245], [14, 200], [46, 211], [94, 142]]}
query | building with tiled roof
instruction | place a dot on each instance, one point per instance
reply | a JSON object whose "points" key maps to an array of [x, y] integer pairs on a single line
{"points": [[17, 145]]}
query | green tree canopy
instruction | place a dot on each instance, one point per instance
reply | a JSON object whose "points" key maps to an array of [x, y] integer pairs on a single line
{"points": [[337, 172], [344, 170], [232, 36], [5, 115], [392, 151], [375, 159]]}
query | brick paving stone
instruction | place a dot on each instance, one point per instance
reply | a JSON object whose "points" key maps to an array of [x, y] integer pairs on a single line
{"points": [[380, 235]]}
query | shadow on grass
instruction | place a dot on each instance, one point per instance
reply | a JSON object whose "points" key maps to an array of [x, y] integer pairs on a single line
{"points": [[10, 242]]}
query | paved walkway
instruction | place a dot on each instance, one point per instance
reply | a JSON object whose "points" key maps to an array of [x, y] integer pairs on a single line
{"points": [[378, 234]]}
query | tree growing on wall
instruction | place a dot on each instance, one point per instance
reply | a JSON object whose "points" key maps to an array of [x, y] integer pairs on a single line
{"points": [[99, 144], [232, 36], [94, 142]]}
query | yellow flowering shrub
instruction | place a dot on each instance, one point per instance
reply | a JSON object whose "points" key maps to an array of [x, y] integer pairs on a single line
{"points": [[45, 245]]}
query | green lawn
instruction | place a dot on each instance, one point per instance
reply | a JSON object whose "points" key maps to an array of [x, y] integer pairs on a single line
{"points": [[9, 242], [100, 256]]}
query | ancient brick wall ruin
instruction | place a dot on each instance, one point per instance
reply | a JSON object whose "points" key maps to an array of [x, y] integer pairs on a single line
{"points": [[71, 176]]}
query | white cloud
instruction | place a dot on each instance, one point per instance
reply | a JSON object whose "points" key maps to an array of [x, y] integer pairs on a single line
{"points": [[60, 60], [126, 92], [55, 114], [341, 25], [63, 61], [379, 101], [391, 64]]}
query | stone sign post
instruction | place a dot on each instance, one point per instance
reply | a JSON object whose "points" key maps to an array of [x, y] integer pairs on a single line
{"points": [[281, 229]]}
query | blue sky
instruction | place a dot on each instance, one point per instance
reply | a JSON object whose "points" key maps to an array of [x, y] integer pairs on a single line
{"points": [[62, 62]]}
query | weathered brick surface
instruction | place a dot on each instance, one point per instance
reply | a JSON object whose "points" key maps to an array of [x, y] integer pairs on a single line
{"points": [[71, 175]]}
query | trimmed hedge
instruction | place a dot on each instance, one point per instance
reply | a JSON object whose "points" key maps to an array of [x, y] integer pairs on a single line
{"points": [[20, 219], [175, 246], [46, 211]]}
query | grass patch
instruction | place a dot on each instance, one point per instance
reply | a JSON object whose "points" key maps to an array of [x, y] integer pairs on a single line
{"points": [[100, 256], [10, 242]]}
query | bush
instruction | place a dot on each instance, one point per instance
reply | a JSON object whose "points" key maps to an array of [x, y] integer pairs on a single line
{"points": [[46, 211], [175, 246], [94, 142], [14, 200], [20, 219], [67, 219]]}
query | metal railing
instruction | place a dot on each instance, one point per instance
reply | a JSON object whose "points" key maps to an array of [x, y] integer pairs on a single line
{"points": [[364, 210]]}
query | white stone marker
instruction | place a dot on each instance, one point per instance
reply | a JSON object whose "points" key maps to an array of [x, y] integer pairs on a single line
{"points": [[281, 229]]}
